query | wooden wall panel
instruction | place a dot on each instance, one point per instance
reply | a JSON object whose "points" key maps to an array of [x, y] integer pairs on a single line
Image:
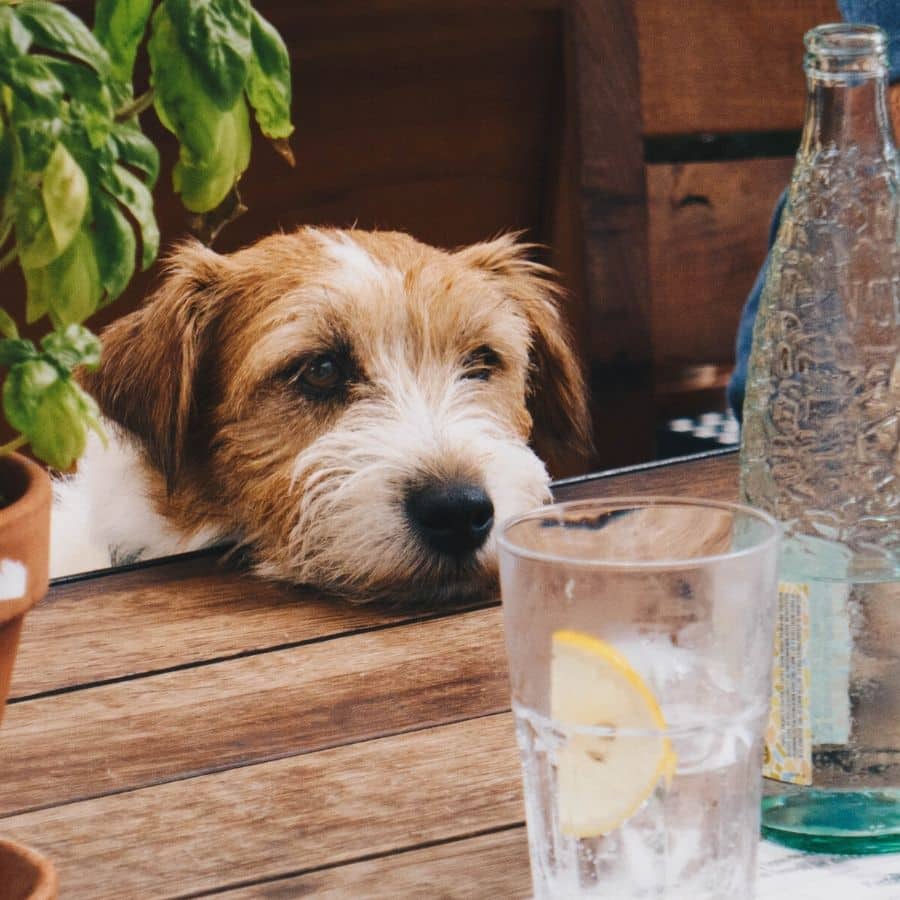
{"points": [[714, 66], [436, 118], [708, 228], [612, 187]]}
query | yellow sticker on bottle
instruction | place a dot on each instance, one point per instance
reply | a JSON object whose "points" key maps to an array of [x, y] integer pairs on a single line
{"points": [[788, 737]]}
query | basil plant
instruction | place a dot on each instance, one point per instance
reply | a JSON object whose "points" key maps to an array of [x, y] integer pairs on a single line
{"points": [[77, 171]]}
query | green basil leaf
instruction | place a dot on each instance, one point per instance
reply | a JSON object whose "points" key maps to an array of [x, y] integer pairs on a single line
{"points": [[80, 83], [214, 145], [15, 38], [135, 149], [37, 98], [34, 236], [92, 159], [72, 346], [33, 86], [69, 288], [204, 183], [59, 413], [87, 90], [38, 137], [60, 433], [7, 159], [180, 99], [65, 194], [129, 190], [38, 288], [8, 327], [90, 107], [16, 350], [55, 28], [119, 26], [215, 36], [48, 219], [269, 80], [24, 391], [114, 246]]}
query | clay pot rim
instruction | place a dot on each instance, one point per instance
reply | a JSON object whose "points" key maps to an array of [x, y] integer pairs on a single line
{"points": [[35, 493], [37, 487], [46, 884]]}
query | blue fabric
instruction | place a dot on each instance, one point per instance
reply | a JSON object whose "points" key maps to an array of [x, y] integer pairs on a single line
{"points": [[885, 13]]}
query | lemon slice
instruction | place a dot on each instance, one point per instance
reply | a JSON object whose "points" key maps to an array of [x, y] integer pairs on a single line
{"points": [[602, 780]]}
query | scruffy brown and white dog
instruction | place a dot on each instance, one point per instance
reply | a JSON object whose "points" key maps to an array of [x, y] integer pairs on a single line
{"points": [[356, 409]]}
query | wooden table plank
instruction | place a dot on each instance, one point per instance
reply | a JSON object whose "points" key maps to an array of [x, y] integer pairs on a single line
{"points": [[283, 817], [172, 614], [711, 478], [125, 623], [488, 866], [133, 734]]}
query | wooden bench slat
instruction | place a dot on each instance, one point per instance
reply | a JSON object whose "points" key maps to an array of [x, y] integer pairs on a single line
{"points": [[487, 866], [137, 733], [283, 817]]}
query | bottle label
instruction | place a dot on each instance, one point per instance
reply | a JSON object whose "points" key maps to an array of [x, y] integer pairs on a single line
{"points": [[788, 738], [810, 678]]}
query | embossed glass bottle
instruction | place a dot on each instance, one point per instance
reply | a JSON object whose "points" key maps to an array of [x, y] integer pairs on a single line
{"points": [[820, 452]]}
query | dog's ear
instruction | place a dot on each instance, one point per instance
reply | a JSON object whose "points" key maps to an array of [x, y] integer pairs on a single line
{"points": [[557, 399], [148, 377]]}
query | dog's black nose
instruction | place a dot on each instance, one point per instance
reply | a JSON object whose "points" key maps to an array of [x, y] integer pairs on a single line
{"points": [[451, 517]]}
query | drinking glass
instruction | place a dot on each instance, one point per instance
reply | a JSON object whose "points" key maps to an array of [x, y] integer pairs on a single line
{"points": [[640, 638]]}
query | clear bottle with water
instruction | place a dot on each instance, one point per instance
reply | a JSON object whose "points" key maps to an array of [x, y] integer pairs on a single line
{"points": [[821, 452]]}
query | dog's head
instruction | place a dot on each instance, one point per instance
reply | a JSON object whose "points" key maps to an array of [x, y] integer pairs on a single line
{"points": [[355, 408]]}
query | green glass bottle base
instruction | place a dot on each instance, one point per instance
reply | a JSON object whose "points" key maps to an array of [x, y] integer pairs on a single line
{"points": [[834, 821]]}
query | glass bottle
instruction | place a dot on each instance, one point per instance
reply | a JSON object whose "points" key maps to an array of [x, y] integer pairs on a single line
{"points": [[820, 452]]}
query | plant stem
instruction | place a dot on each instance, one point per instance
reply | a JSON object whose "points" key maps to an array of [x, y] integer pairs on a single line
{"points": [[136, 107], [13, 445], [8, 257], [6, 228]]}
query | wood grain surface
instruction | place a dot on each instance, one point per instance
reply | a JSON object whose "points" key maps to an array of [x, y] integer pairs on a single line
{"points": [[487, 866], [182, 729], [713, 477], [709, 227], [262, 707], [612, 186], [708, 66], [304, 812], [125, 623]]}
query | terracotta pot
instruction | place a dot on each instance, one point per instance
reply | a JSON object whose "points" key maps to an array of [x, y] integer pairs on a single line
{"points": [[24, 874], [24, 553]]}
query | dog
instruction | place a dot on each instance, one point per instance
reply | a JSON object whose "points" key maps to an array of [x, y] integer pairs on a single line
{"points": [[356, 410]]}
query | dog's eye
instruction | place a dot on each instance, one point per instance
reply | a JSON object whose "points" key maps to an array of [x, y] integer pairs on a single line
{"points": [[481, 363], [320, 375]]}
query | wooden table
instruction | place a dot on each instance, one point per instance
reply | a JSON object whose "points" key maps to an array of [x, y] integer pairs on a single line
{"points": [[181, 729]]}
